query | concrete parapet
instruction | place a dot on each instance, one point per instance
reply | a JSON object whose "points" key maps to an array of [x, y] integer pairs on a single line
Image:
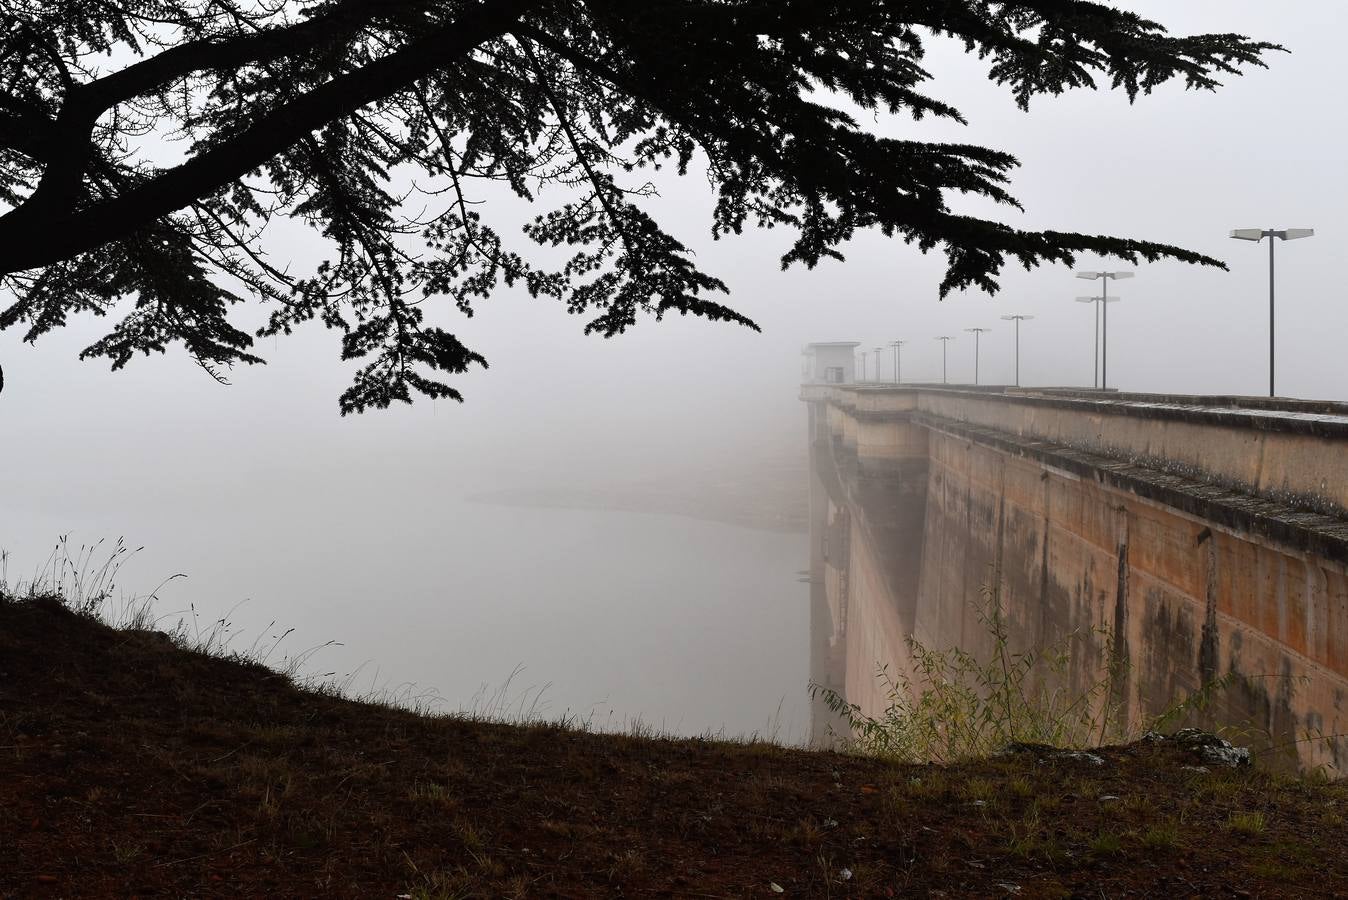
{"points": [[1274, 449]]}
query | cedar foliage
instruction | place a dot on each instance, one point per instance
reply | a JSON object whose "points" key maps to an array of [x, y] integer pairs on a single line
{"points": [[146, 144]]}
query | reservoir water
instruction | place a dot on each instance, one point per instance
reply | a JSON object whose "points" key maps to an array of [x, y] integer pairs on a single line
{"points": [[685, 625]]}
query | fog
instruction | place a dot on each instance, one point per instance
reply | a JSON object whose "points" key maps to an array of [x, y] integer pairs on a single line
{"points": [[356, 529]]}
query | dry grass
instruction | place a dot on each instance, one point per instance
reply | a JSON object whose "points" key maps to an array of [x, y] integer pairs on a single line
{"points": [[129, 764]]}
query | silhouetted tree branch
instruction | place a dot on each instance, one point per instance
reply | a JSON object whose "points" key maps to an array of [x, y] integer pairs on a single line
{"points": [[145, 146]]}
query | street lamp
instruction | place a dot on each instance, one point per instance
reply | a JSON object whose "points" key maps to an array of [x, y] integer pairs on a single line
{"points": [[897, 370], [1017, 319], [878, 351], [945, 340], [1256, 235], [1095, 371], [976, 332], [1104, 301]]}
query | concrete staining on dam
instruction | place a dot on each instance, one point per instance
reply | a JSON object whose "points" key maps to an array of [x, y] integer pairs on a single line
{"points": [[1208, 535]]}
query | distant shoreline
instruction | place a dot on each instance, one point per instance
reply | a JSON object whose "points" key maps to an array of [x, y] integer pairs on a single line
{"points": [[779, 517]]}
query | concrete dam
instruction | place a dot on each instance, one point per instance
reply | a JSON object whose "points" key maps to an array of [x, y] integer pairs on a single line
{"points": [[1172, 540]]}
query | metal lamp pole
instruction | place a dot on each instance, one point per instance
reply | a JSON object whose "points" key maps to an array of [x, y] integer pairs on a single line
{"points": [[945, 340], [1256, 235], [1017, 319], [897, 360], [878, 351], [976, 332], [1095, 347], [1095, 371], [1104, 302]]}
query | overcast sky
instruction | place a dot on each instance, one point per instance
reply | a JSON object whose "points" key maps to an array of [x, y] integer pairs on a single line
{"points": [[87, 449], [1182, 167]]}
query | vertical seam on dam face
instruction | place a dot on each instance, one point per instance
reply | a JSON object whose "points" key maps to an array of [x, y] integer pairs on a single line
{"points": [[1044, 538], [1206, 580], [1210, 644], [966, 559], [1122, 656], [1283, 625], [997, 554], [1313, 600]]}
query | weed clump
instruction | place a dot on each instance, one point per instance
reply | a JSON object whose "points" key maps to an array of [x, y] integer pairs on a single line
{"points": [[957, 707], [1250, 823]]}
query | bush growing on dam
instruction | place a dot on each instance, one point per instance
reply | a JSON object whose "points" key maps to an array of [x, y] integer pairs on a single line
{"points": [[956, 706]]}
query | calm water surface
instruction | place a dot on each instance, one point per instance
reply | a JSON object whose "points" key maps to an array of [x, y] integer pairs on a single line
{"points": [[689, 626]]}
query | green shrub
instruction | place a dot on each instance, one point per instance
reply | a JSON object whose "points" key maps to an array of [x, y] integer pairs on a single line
{"points": [[958, 706]]}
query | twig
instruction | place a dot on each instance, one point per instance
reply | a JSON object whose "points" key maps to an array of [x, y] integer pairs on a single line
{"points": [[230, 753], [204, 855]]}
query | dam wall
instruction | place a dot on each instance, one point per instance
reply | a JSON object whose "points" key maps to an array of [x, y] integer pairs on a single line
{"points": [[1167, 542]]}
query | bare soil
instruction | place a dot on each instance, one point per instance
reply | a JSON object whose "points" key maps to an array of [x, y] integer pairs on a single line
{"points": [[132, 767]]}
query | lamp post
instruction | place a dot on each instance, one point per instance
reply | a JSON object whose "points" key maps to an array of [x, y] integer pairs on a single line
{"points": [[1104, 302], [1017, 319], [878, 351], [1095, 370], [945, 340], [1256, 235], [897, 369], [976, 332]]}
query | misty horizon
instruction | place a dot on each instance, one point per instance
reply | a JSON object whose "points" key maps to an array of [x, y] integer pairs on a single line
{"points": [[161, 450]]}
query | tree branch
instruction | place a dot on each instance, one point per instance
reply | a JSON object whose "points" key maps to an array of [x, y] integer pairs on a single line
{"points": [[31, 237]]}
